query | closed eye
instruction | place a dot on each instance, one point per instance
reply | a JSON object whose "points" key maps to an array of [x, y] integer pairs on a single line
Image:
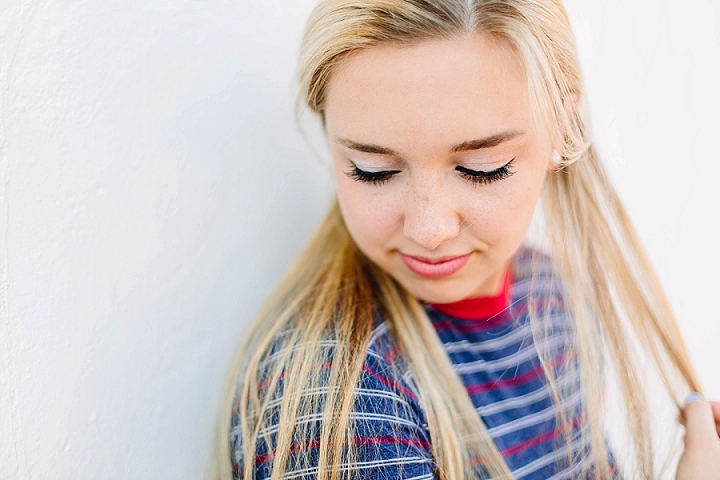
{"points": [[375, 178], [485, 178]]}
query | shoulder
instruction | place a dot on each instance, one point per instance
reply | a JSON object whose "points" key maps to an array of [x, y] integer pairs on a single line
{"points": [[540, 300], [531, 264], [536, 276], [389, 434]]}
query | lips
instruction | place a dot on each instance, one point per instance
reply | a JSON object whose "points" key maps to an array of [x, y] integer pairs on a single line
{"points": [[435, 267]]}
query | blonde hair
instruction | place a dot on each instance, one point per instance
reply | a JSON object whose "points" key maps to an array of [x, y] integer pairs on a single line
{"points": [[333, 290]]}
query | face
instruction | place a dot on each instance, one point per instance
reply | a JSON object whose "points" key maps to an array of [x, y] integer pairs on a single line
{"points": [[438, 161]]}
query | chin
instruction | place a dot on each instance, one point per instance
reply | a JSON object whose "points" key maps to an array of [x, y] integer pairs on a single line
{"points": [[437, 293]]}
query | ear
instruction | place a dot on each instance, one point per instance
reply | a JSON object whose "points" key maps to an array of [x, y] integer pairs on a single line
{"points": [[555, 160]]}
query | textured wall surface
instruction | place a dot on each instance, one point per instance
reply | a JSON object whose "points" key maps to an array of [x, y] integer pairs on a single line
{"points": [[153, 187]]}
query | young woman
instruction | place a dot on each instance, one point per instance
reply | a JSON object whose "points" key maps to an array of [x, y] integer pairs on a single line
{"points": [[416, 336]]}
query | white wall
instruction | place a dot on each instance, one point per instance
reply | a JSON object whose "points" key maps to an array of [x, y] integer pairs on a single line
{"points": [[153, 187], [653, 75]]}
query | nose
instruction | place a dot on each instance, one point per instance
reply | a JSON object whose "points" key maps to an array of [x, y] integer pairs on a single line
{"points": [[431, 218]]}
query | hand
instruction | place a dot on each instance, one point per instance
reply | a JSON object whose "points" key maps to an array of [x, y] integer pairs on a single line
{"points": [[701, 458]]}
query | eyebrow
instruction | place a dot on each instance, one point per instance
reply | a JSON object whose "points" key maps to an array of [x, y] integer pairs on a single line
{"points": [[487, 142]]}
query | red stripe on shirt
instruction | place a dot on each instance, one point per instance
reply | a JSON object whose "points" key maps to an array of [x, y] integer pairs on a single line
{"points": [[511, 382], [538, 439], [326, 365], [314, 444], [389, 382]]}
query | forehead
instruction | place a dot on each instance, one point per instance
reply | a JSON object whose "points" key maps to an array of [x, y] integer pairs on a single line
{"points": [[440, 90]]}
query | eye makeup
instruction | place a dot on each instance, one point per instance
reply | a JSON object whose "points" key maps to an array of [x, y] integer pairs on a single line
{"points": [[375, 178], [474, 176], [487, 177]]}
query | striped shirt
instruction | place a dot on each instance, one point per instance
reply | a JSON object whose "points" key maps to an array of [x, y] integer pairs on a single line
{"points": [[498, 361]]}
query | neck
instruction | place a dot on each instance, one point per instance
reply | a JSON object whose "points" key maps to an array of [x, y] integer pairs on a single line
{"points": [[481, 307]]}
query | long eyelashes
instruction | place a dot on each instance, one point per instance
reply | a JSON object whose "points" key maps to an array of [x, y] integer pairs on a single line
{"points": [[484, 178], [375, 178], [473, 176]]}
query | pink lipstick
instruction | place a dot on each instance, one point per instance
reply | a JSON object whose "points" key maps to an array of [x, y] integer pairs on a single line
{"points": [[435, 267]]}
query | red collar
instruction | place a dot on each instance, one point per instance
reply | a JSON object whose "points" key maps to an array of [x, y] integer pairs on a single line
{"points": [[478, 308]]}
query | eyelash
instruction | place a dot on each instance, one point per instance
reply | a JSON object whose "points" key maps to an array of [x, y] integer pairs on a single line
{"points": [[473, 176], [486, 178], [375, 178]]}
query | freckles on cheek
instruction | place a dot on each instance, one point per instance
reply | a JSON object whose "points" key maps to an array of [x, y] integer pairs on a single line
{"points": [[503, 218], [371, 217], [520, 210], [381, 215], [492, 226]]}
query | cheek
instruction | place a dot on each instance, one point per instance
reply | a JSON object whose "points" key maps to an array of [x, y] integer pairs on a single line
{"points": [[504, 218], [371, 215]]}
